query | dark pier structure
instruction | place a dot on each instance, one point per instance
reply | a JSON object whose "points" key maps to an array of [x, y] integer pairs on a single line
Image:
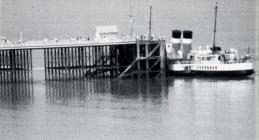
{"points": [[140, 58], [102, 61], [15, 65]]}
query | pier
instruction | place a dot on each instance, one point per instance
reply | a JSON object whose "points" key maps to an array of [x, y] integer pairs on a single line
{"points": [[15, 65], [66, 60]]}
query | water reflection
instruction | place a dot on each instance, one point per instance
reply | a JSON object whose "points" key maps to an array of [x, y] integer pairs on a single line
{"points": [[175, 108], [16, 95], [146, 90], [81, 92]]}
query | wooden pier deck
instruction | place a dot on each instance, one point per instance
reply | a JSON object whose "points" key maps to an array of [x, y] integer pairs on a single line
{"points": [[62, 44]]}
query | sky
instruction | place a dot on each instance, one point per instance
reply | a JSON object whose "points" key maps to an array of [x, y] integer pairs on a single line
{"points": [[70, 18]]}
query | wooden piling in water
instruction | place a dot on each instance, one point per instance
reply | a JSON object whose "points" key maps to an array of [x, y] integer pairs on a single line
{"points": [[15, 65]]}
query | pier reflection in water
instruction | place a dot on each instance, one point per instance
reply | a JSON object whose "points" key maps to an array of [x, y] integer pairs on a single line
{"points": [[82, 92], [16, 95]]}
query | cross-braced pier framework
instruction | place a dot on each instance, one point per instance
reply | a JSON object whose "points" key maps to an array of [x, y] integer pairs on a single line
{"points": [[100, 61]]}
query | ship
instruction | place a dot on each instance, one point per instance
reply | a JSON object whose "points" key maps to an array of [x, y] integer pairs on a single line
{"points": [[212, 61]]}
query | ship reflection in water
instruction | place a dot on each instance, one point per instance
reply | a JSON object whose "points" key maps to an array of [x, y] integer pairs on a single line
{"points": [[175, 108]]}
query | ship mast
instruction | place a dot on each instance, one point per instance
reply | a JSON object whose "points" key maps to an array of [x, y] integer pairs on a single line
{"points": [[132, 20], [215, 26], [150, 19]]}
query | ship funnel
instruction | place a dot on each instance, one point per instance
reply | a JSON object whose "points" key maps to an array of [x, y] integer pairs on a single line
{"points": [[187, 43], [176, 44]]}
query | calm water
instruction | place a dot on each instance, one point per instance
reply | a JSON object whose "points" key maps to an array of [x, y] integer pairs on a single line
{"points": [[175, 108]]}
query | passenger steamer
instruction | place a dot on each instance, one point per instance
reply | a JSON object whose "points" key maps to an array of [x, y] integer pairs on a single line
{"points": [[182, 60]]}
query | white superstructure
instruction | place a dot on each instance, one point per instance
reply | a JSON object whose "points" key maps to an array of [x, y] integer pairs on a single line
{"points": [[206, 62]]}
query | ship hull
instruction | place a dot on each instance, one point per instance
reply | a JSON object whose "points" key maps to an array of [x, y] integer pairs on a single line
{"points": [[211, 69], [212, 73]]}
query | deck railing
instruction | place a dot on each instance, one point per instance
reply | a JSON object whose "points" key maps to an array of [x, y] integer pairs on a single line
{"points": [[42, 43]]}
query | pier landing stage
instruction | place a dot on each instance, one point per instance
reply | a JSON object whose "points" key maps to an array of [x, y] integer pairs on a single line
{"points": [[66, 59]]}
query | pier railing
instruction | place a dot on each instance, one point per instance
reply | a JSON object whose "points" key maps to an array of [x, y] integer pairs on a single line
{"points": [[62, 43]]}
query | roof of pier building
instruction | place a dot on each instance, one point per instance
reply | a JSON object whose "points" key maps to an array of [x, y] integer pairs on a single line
{"points": [[106, 29], [106, 33]]}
